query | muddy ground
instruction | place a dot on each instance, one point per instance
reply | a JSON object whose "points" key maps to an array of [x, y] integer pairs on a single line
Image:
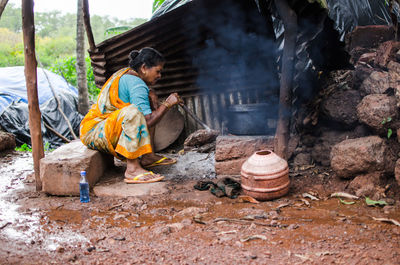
{"points": [[187, 226]]}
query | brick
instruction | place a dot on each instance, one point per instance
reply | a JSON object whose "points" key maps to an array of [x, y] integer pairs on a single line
{"points": [[229, 167], [60, 170], [234, 147]]}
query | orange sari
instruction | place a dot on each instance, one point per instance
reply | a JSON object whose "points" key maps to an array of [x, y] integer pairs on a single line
{"points": [[113, 126]]}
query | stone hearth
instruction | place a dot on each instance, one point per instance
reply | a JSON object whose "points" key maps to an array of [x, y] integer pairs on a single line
{"points": [[232, 151]]}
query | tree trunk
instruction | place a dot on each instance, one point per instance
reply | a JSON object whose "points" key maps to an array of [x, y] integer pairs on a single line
{"points": [[282, 134], [3, 4], [83, 97], [89, 33], [28, 29]]}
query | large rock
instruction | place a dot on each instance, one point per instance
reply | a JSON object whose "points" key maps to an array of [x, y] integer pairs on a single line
{"points": [[60, 170], [376, 108], [353, 157], [322, 145], [367, 185], [369, 36], [361, 73], [7, 141], [394, 79], [386, 52], [397, 171], [232, 151], [340, 106], [376, 83]]}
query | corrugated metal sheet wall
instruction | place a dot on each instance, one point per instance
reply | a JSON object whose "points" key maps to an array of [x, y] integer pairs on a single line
{"points": [[179, 35]]}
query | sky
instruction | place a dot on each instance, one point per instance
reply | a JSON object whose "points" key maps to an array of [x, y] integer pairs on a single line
{"points": [[122, 9]]}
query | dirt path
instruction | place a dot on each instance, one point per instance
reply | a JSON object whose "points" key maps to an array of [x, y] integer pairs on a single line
{"points": [[186, 226]]}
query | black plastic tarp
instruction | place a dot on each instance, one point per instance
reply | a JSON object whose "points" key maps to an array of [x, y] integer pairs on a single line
{"points": [[14, 114], [347, 14]]}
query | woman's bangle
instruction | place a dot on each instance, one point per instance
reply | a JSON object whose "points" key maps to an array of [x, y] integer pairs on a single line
{"points": [[166, 104]]}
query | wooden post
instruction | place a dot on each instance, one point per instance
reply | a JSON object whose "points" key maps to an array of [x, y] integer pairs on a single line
{"points": [[3, 4], [282, 134], [28, 29], [86, 19]]}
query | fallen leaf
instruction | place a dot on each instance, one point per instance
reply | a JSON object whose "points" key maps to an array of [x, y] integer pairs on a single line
{"points": [[387, 220], [344, 195], [308, 195], [198, 219], [370, 202], [305, 202], [245, 198], [305, 167], [302, 257], [282, 205], [227, 232], [253, 237], [345, 202]]}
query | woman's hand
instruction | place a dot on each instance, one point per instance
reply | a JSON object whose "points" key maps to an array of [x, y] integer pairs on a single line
{"points": [[173, 99]]}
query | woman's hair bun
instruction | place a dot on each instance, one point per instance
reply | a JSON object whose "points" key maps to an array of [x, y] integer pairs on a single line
{"points": [[133, 54]]}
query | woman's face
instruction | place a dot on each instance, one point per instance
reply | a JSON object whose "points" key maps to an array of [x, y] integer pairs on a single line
{"points": [[153, 74]]}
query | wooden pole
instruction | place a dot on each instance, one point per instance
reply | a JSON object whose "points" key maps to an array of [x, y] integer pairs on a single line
{"points": [[28, 29], [282, 134], [86, 19], [3, 4]]}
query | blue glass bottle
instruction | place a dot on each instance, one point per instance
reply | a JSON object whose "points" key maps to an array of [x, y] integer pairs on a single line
{"points": [[84, 188]]}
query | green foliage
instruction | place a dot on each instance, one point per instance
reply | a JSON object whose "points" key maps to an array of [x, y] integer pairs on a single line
{"points": [[346, 202], [386, 120], [11, 55], [24, 148], [389, 131], [11, 18], [49, 50], [110, 32], [55, 41], [370, 202], [66, 68], [47, 147], [11, 48], [157, 4]]}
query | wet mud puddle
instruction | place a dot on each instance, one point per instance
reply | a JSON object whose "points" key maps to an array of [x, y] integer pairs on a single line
{"points": [[25, 226], [293, 227]]}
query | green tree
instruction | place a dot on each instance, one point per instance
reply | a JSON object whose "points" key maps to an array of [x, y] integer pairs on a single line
{"points": [[11, 18], [66, 68]]}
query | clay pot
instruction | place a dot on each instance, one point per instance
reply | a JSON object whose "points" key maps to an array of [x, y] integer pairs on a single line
{"points": [[265, 176]]}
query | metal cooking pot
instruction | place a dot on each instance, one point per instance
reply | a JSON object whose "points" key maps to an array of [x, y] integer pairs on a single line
{"points": [[251, 119]]}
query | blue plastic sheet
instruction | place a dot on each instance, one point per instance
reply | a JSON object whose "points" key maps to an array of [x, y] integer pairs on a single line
{"points": [[14, 116]]}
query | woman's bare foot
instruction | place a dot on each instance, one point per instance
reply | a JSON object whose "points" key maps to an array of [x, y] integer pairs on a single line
{"points": [[136, 174], [152, 159]]}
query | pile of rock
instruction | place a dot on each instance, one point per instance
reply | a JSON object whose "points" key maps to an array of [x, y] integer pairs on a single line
{"points": [[361, 115]]}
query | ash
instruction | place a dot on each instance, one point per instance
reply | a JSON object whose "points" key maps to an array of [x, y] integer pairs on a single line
{"points": [[190, 165]]}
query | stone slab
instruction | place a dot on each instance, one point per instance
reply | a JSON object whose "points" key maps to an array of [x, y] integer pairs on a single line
{"points": [[121, 189], [60, 170], [232, 151], [234, 147]]}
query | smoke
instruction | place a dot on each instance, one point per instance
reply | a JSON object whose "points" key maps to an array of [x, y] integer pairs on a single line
{"points": [[237, 50]]}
